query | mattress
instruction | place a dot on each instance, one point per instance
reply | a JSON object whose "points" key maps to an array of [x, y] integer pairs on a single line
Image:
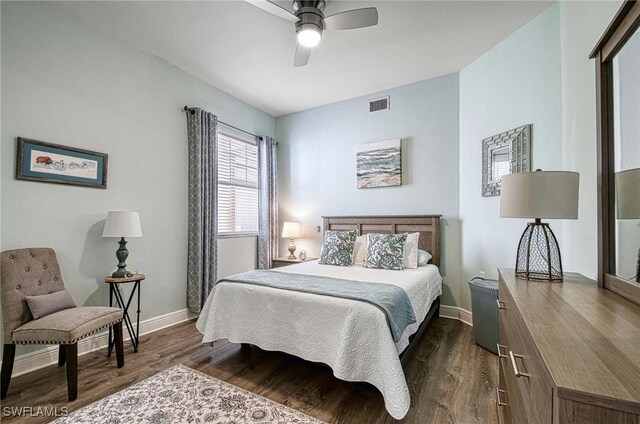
{"points": [[351, 337]]}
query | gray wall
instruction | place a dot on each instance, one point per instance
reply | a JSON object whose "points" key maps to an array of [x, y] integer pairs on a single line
{"points": [[581, 25], [67, 83], [515, 83], [317, 166]]}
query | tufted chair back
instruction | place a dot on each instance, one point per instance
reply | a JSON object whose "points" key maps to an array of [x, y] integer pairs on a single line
{"points": [[26, 272]]}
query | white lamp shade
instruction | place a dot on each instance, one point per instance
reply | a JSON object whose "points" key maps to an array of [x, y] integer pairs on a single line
{"points": [[291, 230], [122, 224], [540, 194], [628, 194]]}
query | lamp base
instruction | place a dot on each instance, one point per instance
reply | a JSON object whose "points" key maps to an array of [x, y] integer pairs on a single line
{"points": [[539, 254], [122, 253], [292, 250]]}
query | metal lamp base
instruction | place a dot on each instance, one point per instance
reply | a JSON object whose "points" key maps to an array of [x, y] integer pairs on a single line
{"points": [[539, 254]]}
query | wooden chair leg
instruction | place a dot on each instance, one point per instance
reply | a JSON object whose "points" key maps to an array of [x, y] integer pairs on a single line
{"points": [[117, 339], [62, 359], [8, 355], [71, 355]]}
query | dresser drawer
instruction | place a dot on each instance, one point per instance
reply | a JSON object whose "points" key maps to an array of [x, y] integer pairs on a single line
{"points": [[524, 367], [507, 377], [502, 399]]}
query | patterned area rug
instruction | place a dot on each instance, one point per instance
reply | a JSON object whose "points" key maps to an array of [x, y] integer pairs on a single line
{"points": [[183, 395]]}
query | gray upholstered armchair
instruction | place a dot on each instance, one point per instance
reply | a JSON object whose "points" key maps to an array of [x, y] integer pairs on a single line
{"points": [[35, 272]]}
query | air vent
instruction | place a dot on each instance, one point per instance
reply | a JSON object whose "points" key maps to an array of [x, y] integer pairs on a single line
{"points": [[377, 105]]}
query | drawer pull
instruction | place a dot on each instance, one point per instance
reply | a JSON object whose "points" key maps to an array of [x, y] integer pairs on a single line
{"points": [[515, 365], [500, 354], [498, 395], [500, 304]]}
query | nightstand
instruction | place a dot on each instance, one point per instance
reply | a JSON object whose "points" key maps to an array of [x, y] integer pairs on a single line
{"points": [[284, 261], [114, 291]]}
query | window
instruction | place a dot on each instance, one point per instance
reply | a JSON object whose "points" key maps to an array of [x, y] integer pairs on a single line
{"points": [[237, 186], [501, 168]]}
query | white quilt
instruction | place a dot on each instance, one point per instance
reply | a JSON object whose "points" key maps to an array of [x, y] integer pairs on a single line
{"points": [[352, 337]]}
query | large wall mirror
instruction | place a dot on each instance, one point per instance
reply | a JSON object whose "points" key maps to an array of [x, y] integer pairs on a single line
{"points": [[617, 58], [626, 158]]}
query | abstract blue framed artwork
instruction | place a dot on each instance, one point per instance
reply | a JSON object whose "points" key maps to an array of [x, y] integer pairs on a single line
{"points": [[379, 164], [53, 163]]}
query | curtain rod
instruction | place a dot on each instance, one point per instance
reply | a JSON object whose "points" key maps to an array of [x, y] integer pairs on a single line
{"points": [[259, 137]]}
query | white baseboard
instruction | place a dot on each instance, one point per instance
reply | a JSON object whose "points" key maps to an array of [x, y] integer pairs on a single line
{"points": [[45, 357], [454, 312]]}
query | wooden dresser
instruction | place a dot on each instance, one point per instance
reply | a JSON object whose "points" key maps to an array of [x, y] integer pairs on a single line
{"points": [[569, 352]]}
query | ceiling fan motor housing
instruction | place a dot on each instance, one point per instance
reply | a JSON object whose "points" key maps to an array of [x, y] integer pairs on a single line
{"points": [[310, 18], [298, 4]]}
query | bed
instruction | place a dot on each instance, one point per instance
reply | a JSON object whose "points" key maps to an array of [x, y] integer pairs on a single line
{"points": [[352, 337]]}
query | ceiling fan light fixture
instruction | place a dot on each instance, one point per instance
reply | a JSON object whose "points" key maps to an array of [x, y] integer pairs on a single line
{"points": [[310, 22], [309, 35]]}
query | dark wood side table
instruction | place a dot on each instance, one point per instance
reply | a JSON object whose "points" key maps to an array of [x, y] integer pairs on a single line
{"points": [[285, 261], [114, 291]]}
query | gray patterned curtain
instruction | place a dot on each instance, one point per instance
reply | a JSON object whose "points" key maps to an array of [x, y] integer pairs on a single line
{"points": [[268, 202], [202, 257]]}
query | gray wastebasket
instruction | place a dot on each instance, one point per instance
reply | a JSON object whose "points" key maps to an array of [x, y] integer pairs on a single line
{"points": [[484, 293]]}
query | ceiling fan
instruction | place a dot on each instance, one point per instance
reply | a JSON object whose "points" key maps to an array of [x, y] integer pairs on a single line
{"points": [[310, 22]]}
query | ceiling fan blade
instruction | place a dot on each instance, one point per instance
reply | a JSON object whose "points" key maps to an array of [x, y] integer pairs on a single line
{"points": [[302, 55], [274, 9], [352, 19]]}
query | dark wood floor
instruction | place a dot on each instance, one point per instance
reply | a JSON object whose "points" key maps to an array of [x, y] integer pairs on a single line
{"points": [[450, 378]]}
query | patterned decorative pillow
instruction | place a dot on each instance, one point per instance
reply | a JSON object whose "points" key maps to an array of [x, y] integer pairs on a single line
{"points": [[337, 248], [385, 251]]}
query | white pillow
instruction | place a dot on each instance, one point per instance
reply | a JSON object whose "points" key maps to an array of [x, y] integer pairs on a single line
{"points": [[360, 250], [411, 251], [423, 257]]}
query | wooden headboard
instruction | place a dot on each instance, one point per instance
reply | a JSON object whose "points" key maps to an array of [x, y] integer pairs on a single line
{"points": [[427, 225]]}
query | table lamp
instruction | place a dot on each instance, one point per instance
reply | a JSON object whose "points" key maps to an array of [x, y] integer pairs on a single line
{"points": [[538, 195], [122, 224], [628, 200], [291, 230]]}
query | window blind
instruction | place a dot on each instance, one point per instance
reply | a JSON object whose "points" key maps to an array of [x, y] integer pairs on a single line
{"points": [[237, 186], [501, 169]]}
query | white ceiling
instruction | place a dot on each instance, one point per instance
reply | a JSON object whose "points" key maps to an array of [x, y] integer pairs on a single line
{"points": [[248, 53]]}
